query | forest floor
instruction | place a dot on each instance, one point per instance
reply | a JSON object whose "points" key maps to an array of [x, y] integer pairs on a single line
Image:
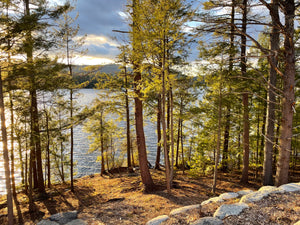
{"points": [[120, 199]]}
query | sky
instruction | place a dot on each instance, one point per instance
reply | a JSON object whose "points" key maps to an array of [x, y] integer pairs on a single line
{"points": [[97, 19]]}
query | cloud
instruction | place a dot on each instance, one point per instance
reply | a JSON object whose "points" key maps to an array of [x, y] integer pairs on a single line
{"points": [[100, 17], [101, 46], [97, 19]]}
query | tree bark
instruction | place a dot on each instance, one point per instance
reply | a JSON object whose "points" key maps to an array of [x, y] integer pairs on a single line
{"points": [[102, 143], [127, 122], [139, 125], [245, 140], [10, 214], [158, 128], [288, 102], [269, 144], [244, 178], [217, 156]]}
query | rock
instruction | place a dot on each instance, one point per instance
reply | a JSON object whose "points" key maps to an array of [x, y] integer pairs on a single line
{"points": [[260, 194], [63, 218], [208, 221], [77, 222], [269, 190], [244, 192], [230, 210], [211, 200], [292, 187], [228, 195], [183, 209], [47, 222], [157, 220]]}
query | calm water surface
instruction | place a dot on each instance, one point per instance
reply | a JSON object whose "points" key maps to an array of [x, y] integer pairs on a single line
{"points": [[86, 162]]}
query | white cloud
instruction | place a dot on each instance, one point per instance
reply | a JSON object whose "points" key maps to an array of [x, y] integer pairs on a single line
{"points": [[90, 60], [98, 40]]}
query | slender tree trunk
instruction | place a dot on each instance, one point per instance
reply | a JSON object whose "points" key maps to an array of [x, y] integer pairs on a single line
{"points": [[158, 127], [178, 141], [269, 144], [288, 103], [48, 150], [139, 126], [127, 122], [172, 136], [12, 154], [102, 143], [182, 149], [245, 97], [245, 140], [217, 156], [257, 146], [72, 140], [26, 158], [164, 125], [226, 142], [10, 213]]}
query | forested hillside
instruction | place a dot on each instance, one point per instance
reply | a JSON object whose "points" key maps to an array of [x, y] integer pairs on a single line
{"points": [[235, 111]]}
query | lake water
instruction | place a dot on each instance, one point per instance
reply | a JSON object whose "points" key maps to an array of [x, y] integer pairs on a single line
{"points": [[86, 162]]}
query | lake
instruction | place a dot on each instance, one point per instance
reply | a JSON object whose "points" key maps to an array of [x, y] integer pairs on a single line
{"points": [[86, 163]]}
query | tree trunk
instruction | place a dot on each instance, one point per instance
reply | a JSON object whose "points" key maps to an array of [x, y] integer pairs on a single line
{"points": [[127, 122], [102, 144], [158, 127], [245, 140], [245, 97], [172, 136], [226, 142], [139, 126], [269, 144], [217, 156], [178, 141], [288, 102], [37, 141], [10, 213], [48, 151]]}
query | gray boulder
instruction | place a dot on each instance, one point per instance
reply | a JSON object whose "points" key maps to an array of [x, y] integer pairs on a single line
{"points": [[184, 209], [244, 192], [228, 195], [77, 222], [47, 222], [230, 210], [63, 218], [208, 221], [292, 187], [157, 220], [260, 194], [211, 200]]}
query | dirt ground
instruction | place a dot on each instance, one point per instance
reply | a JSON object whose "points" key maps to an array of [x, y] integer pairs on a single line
{"points": [[120, 199]]}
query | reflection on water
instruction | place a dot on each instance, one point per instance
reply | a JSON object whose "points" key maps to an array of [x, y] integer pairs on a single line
{"points": [[86, 162]]}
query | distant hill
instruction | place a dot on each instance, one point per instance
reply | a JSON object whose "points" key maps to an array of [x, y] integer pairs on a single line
{"points": [[108, 68], [83, 73]]}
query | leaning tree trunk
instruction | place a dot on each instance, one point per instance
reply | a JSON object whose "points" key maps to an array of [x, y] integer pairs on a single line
{"points": [[288, 102]]}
